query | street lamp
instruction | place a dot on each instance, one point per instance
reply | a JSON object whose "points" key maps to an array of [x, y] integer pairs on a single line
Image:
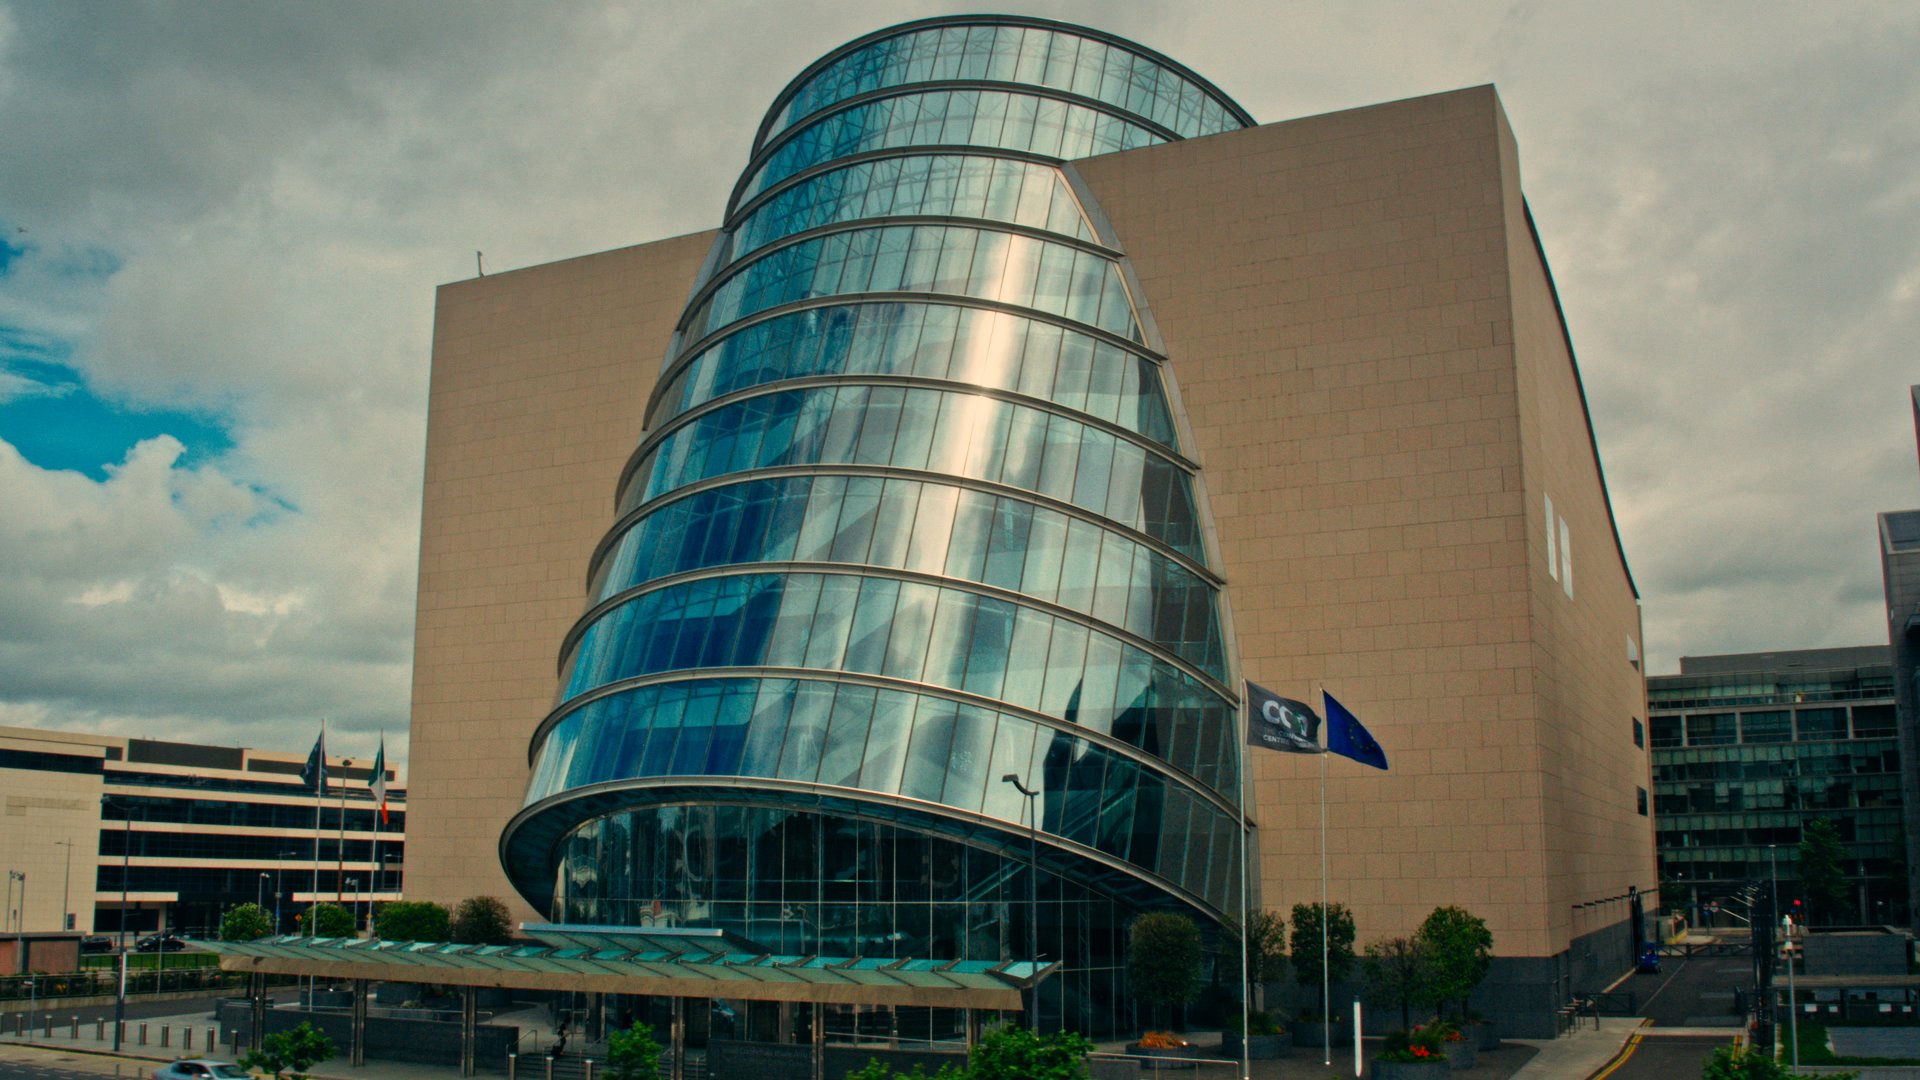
{"points": [[126, 853], [279, 887], [260, 892], [66, 887], [353, 887], [1033, 886]]}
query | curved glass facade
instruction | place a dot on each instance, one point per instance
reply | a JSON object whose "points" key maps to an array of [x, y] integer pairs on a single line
{"points": [[910, 517]]}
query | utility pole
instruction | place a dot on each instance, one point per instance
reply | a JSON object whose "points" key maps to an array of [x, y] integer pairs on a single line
{"points": [[1033, 892]]}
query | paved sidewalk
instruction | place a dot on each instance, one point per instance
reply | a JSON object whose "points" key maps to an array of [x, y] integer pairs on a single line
{"points": [[1581, 1054]]}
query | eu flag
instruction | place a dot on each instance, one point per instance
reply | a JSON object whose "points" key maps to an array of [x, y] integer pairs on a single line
{"points": [[1347, 737]]}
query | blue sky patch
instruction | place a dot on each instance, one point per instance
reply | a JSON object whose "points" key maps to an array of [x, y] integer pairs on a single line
{"points": [[57, 423]]}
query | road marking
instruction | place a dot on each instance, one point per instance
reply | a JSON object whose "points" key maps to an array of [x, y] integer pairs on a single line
{"points": [[1619, 1059]]}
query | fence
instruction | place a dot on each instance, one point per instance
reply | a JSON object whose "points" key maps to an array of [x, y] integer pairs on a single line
{"points": [[1155, 1067], [81, 984]]}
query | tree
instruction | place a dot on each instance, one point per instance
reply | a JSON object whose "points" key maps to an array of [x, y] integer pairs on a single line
{"points": [[1014, 1053], [326, 920], [1163, 959], [1306, 945], [633, 1054], [1266, 950], [1459, 951], [1823, 877], [482, 920], [299, 1050], [414, 920], [1400, 972], [245, 922]]}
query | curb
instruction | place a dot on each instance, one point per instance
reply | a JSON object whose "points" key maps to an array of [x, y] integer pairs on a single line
{"points": [[1626, 1051]]}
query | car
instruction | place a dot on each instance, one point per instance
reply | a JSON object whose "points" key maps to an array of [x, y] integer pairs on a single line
{"points": [[200, 1069], [160, 943], [96, 943]]}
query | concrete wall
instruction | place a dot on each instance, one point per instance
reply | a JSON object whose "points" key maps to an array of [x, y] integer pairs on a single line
{"points": [[1856, 954], [540, 378], [1379, 395]]}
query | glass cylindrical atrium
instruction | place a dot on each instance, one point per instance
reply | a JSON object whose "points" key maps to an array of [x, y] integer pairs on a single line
{"points": [[911, 530]]}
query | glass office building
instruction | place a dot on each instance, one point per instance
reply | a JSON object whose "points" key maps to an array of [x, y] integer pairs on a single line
{"points": [[1748, 749], [909, 595]]}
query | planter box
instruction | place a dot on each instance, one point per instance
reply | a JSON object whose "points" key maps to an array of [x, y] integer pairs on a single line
{"points": [[1310, 1032], [1463, 1055], [1180, 1057], [1259, 1048], [1411, 1070]]}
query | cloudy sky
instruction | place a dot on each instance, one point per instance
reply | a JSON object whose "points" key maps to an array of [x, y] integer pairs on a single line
{"points": [[221, 224]]}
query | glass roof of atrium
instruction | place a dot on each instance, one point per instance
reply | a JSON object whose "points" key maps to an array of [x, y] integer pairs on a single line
{"points": [[659, 962]]}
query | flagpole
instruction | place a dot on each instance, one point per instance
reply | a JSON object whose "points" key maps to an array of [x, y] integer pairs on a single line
{"points": [[1326, 917], [1246, 919], [319, 799]]}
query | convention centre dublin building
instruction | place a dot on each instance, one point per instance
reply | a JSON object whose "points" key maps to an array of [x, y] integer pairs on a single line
{"points": [[905, 541]]}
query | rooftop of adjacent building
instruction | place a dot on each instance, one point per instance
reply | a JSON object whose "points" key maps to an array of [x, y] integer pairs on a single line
{"points": [[124, 751], [1782, 677]]}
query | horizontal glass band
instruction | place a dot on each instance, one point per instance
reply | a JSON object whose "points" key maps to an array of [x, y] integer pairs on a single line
{"points": [[892, 743], [931, 528], [992, 349], [957, 260], [1036, 56], [947, 432], [942, 636], [932, 185], [806, 882], [999, 118]]}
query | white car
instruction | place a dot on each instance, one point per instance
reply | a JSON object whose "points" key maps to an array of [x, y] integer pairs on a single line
{"points": [[199, 1069]]}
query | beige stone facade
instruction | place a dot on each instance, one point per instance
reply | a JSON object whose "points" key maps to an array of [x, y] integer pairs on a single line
{"points": [[540, 383], [1377, 384], [1380, 395]]}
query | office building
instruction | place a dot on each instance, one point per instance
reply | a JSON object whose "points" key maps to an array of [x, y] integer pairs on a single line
{"points": [[1749, 748], [1029, 398], [165, 836], [1900, 570]]}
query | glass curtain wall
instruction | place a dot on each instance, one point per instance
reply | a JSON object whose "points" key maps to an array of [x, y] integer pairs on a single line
{"points": [[910, 529]]}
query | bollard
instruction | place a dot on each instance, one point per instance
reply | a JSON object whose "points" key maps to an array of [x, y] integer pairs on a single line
{"points": [[513, 1066], [213, 1039], [100, 1030], [49, 1028], [76, 1027], [143, 1035], [586, 1069], [186, 1038], [549, 1067], [166, 1033]]}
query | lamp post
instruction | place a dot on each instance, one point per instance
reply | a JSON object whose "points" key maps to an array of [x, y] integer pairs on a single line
{"points": [[353, 889], [126, 852], [20, 921], [260, 892], [66, 887], [1033, 887], [279, 888]]}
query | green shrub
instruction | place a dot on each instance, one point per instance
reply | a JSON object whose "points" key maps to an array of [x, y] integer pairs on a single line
{"points": [[299, 1050], [414, 920], [245, 922]]}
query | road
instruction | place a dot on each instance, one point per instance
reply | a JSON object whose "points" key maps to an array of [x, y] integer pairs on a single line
{"points": [[1668, 1057], [27, 1063]]}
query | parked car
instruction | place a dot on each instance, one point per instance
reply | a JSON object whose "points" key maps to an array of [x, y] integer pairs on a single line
{"points": [[96, 943], [200, 1069], [160, 943]]}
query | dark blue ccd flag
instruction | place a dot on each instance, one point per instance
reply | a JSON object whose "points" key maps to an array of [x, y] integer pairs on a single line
{"points": [[1281, 723], [1347, 737], [314, 773]]}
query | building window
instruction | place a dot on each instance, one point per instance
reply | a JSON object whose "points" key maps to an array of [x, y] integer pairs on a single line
{"points": [[1870, 721], [1633, 653], [1639, 734], [1566, 559], [1553, 550], [1666, 732], [1640, 800], [1710, 729], [1766, 727], [1820, 724]]}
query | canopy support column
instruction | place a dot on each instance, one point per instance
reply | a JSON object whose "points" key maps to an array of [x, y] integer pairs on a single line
{"points": [[819, 1055], [678, 1039], [257, 1009], [357, 1054], [468, 1035]]}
